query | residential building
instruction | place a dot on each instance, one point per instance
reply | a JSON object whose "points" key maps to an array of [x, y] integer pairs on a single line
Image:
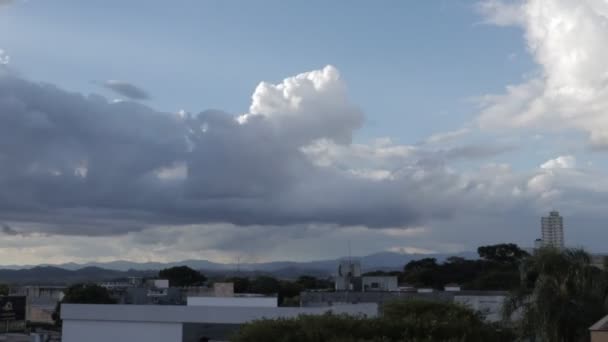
{"points": [[599, 331], [41, 301], [552, 229], [380, 283]]}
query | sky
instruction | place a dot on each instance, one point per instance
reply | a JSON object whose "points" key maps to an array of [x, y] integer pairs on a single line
{"points": [[274, 130]]}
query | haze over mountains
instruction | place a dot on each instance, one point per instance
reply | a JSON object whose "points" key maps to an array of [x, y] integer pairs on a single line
{"points": [[377, 261]]}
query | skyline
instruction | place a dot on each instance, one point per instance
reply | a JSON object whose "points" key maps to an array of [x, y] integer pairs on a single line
{"points": [[208, 130]]}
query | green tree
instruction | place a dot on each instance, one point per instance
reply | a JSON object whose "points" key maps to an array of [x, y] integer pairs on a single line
{"points": [[560, 296], [411, 321], [182, 276], [422, 264], [4, 290], [87, 294], [313, 283], [502, 253], [265, 285], [83, 294], [241, 284]]}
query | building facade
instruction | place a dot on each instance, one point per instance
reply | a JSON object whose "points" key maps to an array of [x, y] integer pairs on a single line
{"points": [[552, 229], [380, 283], [164, 323]]}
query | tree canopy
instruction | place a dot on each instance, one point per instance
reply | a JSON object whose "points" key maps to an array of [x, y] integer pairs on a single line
{"points": [[180, 276], [560, 296], [87, 294], [402, 321], [502, 253], [497, 269]]}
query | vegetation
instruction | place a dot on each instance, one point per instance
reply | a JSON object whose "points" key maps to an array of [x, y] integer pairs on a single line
{"points": [[4, 290], [560, 296], [402, 321], [288, 292], [180, 276], [497, 269], [82, 294], [87, 294]]}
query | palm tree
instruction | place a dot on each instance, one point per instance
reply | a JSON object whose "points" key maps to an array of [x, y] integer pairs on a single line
{"points": [[560, 296]]}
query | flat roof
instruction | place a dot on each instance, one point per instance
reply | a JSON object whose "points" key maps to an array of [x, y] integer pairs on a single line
{"points": [[201, 314]]}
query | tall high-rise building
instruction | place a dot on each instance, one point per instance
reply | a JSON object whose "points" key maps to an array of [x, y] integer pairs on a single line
{"points": [[552, 228]]}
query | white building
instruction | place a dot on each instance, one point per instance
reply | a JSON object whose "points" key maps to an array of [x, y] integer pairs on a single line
{"points": [[552, 228], [380, 283], [164, 323], [246, 301], [348, 277]]}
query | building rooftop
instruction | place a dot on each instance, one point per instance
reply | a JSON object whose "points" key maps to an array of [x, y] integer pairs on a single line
{"points": [[601, 325], [200, 314]]}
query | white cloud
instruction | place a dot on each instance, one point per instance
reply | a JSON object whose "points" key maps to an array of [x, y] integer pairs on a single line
{"points": [[561, 162], [306, 107], [501, 13], [411, 250], [568, 41], [4, 58], [447, 136]]}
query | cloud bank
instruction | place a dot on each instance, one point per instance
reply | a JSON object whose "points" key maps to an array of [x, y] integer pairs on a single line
{"points": [[289, 169], [567, 40]]}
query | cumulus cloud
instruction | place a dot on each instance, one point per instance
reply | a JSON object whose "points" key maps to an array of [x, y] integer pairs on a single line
{"points": [[567, 40], [4, 58], [126, 89], [561, 162], [82, 165], [86, 165], [501, 13]]}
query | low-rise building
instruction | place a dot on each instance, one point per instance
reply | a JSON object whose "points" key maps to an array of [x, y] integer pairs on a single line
{"points": [[41, 301], [162, 323], [380, 283], [599, 331], [489, 303], [238, 301]]}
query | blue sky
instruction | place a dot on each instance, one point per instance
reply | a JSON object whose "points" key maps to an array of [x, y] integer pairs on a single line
{"points": [[494, 113], [402, 61]]}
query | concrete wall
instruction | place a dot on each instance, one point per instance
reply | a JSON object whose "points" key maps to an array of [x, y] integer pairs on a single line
{"points": [[108, 331], [383, 283], [599, 336], [269, 302]]}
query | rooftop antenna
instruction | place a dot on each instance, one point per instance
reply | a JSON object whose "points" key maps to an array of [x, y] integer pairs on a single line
{"points": [[350, 260]]}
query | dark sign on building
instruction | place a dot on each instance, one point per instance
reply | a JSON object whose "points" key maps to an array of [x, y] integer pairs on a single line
{"points": [[12, 308]]}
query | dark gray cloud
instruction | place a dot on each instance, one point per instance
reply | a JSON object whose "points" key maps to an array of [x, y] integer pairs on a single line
{"points": [[126, 89], [74, 164], [8, 230], [83, 165], [479, 151]]}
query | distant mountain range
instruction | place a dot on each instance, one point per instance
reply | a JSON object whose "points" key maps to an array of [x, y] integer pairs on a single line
{"points": [[99, 271]]}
